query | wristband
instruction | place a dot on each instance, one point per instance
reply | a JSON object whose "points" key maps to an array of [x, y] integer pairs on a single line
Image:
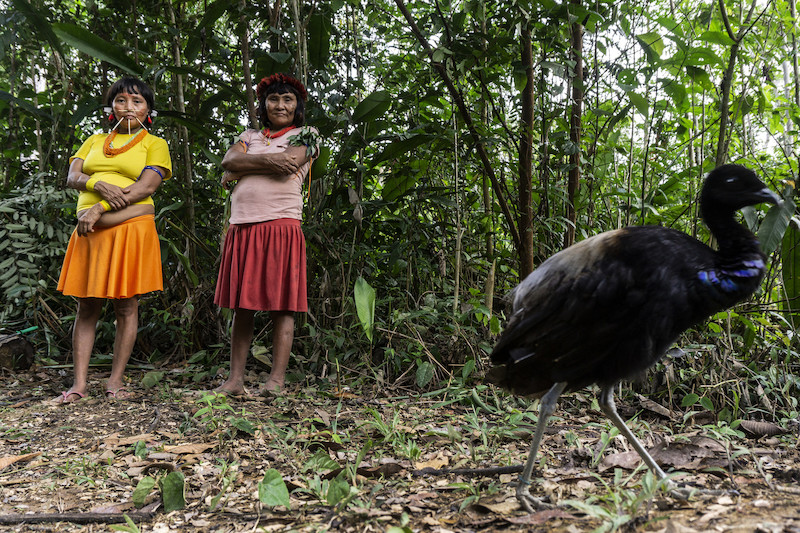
{"points": [[89, 185], [106, 205], [154, 169]]}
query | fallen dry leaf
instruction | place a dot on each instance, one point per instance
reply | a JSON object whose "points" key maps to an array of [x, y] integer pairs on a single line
{"points": [[10, 460], [189, 448], [437, 462]]}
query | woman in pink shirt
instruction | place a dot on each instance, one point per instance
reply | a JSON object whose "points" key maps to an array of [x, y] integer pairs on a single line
{"points": [[263, 265]]}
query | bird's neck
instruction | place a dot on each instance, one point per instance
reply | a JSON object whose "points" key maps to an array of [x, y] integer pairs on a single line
{"points": [[736, 242]]}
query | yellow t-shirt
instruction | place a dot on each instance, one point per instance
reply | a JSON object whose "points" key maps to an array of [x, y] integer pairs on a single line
{"points": [[122, 169]]}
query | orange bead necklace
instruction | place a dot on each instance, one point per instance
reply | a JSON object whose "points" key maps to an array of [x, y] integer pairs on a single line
{"points": [[269, 135], [109, 149]]}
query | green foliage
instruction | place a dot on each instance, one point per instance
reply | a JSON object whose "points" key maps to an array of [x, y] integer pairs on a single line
{"points": [[272, 490], [365, 304], [173, 491], [129, 527], [142, 490], [400, 195], [790, 273]]}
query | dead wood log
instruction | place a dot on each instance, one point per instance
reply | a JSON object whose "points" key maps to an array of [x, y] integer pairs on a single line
{"points": [[75, 518]]}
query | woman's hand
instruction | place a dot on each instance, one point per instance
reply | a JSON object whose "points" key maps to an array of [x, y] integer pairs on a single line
{"points": [[88, 218], [112, 194], [279, 164], [228, 178]]}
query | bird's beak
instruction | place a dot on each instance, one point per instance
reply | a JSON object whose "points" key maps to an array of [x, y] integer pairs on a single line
{"points": [[770, 196]]}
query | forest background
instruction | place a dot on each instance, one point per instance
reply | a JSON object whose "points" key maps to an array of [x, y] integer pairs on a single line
{"points": [[463, 143]]}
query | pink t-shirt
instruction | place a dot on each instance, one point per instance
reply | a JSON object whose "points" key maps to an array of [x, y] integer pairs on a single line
{"points": [[258, 198]]}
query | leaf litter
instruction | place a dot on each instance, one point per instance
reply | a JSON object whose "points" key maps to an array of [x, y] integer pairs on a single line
{"points": [[316, 459]]}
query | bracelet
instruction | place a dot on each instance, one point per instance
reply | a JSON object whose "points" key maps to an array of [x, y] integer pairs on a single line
{"points": [[154, 169], [106, 205], [89, 185]]}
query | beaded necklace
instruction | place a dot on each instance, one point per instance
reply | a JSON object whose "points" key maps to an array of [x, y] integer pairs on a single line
{"points": [[110, 151], [266, 133]]}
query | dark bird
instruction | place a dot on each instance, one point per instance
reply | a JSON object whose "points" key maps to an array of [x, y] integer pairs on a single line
{"points": [[608, 307]]}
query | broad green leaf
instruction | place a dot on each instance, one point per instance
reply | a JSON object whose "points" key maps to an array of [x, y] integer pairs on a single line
{"points": [[211, 15], [689, 400], [213, 79], [468, 368], [24, 104], [640, 103], [151, 379], [702, 57], [320, 166], [653, 45], [424, 374], [273, 62], [140, 449], [272, 490], [772, 229], [39, 23], [399, 183], [790, 270], [338, 490], [89, 43], [365, 305], [372, 107], [320, 461], [172, 491], [698, 75], [244, 425], [401, 147], [142, 490], [716, 37], [319, 40]]}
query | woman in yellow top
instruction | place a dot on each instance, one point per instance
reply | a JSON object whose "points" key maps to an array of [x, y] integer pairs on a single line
{"points": [[114, 251]]}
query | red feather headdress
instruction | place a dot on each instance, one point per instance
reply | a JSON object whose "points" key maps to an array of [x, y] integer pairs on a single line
{"points": [[281, 78]]}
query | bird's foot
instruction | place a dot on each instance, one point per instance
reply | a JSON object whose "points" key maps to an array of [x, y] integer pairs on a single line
{"points": [[685, 493], [530, 503]]}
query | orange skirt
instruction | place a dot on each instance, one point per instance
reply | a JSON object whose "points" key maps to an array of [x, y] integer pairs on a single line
{"points": [[263, 267], [115, 262]]}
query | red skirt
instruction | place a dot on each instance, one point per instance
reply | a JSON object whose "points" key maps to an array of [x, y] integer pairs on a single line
{"points": [[263, 267], [119, 261]]}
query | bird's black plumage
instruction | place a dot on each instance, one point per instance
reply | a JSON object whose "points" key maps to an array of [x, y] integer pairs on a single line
{"points": [[607, 308]]}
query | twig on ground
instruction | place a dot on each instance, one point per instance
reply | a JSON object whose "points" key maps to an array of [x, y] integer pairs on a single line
{"points": [[75, 518], [493, 471]]}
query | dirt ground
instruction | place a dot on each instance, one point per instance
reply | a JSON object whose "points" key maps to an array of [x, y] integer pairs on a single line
{"points": [[75, 467]]}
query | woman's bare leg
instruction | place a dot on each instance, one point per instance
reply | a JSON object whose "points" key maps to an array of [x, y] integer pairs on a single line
{"points": [[83, 333], [241, 338], [127, 314], [282, 339]]}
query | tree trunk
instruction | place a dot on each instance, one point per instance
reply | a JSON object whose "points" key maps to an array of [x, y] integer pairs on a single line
{"points": [[184, 175], [526, 159], [302, 45], [724, 104], [573, 181], [248, 78]]}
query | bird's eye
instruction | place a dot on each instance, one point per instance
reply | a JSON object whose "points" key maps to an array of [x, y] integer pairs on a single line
{"points": [[730, 180]]}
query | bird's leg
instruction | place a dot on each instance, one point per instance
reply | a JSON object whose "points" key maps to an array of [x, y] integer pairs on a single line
{"points": [[546, 407], [608, 406]]}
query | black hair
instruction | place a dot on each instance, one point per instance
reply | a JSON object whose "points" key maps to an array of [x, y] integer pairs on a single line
{"points": [[281, 88], [131, 85]]}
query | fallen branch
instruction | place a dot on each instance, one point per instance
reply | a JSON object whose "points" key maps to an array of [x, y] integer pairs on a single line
{"points": [[75, 518], [475, 472]]}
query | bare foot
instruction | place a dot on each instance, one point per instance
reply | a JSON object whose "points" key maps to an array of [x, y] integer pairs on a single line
{"points": [[70, 396], [271, 388], [118, 394], [231, 390]]}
